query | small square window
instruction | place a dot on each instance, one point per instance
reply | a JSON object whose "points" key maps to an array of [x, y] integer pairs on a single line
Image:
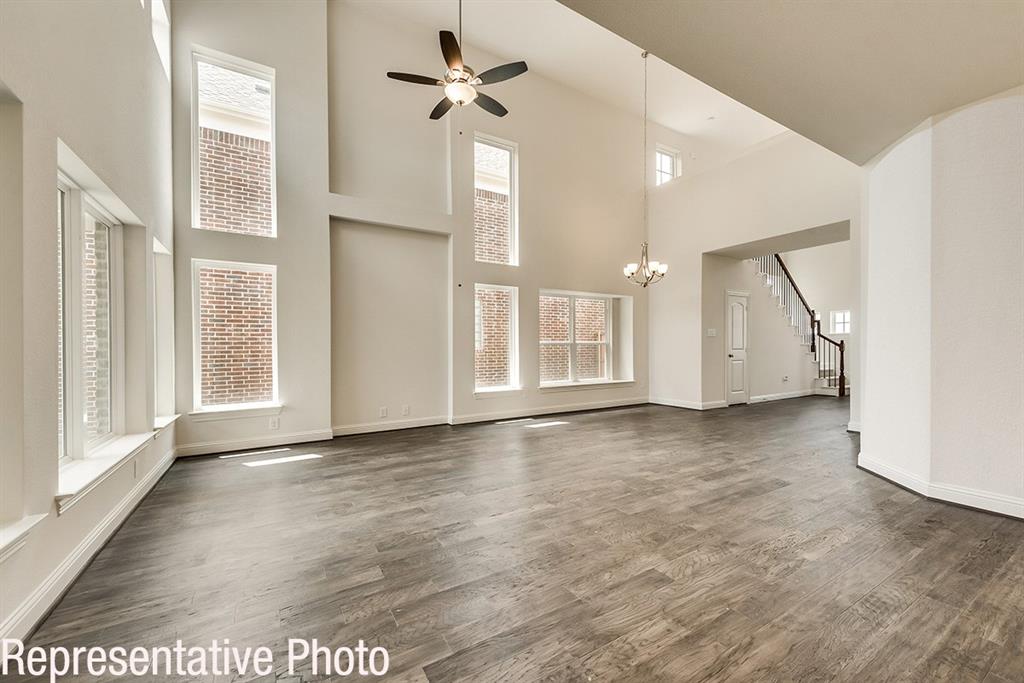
{"points": [[666, 165], [840, 322]]}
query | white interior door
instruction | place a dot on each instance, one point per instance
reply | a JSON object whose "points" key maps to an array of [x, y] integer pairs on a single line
{"points": [[737, 380]]}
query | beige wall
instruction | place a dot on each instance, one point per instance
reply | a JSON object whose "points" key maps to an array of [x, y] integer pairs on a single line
{"points": [[89, 74], [944, 402], [774, 350], [785, 185], [389, 335]]}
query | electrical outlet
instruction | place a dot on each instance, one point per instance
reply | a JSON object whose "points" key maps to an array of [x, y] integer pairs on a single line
{"points": [[405, 410], [382, 411], [135, 469], [275, 422], [712, 332]]}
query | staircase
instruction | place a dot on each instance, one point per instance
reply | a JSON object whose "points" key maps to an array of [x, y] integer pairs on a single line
{"points": [[828, 354]]}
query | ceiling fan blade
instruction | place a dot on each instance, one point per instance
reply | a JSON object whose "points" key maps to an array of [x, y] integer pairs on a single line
{"points": [[501, 73], [441, 109], [450, 50], [413, 78], [490, 104]]}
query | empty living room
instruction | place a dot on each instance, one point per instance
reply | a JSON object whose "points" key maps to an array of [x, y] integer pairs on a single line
{"points": [[512, 340]]}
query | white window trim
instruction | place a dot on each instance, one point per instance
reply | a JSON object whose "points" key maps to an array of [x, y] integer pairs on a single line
{"points": [[833, 320], [77, 204], [229, 410], [513, 193], [244, 66], [513, 341], [676, 162], [573, 380]]}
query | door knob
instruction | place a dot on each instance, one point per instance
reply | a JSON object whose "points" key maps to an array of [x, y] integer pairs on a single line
{"points": [[730, 355]]}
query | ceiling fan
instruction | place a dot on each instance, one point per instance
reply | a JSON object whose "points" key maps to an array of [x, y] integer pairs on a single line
{"points": [[460, 82]]}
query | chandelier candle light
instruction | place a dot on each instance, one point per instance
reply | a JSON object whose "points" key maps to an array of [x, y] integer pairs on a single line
{"points": [[646, 272]]}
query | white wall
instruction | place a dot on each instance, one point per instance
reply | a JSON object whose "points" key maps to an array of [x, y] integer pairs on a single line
{"points": [[774, 350], [944, 271], [89, 74], [785, 185], [389, 335], [290, 38]]}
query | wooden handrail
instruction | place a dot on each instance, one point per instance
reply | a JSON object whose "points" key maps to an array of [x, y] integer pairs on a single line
{"points": [[789, 276]]}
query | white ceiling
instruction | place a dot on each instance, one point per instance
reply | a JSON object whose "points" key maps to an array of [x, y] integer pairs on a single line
{"points": [[852, 75], [568, 48]]}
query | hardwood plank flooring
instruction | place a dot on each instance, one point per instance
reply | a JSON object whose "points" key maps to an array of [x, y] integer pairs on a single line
{"points": [[644, 543]]}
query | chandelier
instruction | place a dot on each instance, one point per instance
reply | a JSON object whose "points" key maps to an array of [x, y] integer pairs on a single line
{"points": [[646, 272]]}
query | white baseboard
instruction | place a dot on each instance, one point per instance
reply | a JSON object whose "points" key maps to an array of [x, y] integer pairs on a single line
{"points": [[780, 396], [950, 493], [853, 427], [689, 405], [24, 618], [224, 445], [548, 410], [370, 427]]}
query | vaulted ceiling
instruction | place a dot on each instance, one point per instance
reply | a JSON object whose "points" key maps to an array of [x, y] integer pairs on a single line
{"points": [[853, 76]]}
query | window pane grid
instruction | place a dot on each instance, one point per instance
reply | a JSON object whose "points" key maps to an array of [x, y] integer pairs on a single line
{"points": [[574, 338]]}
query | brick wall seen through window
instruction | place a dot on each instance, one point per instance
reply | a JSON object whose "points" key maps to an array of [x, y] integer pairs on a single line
{"points": [[96, 320], [236, 335], [235, 152], [493, 225], [574, 343], [494, 362]]}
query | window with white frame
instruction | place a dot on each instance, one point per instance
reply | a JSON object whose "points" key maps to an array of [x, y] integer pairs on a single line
{"points": [[575, 338], [235, 345], [233, 177], [90, 357], [840, 322], [496, 361], [495, 233], [666, 165]]}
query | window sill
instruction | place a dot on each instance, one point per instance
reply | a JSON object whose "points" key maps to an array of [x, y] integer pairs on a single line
{"points": [[491, 392], [13, 536], [78, 477], [161, 421], [236, 411], [573, 386]]}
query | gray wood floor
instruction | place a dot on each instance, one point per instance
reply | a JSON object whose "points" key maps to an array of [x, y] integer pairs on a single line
{"points": [[645, 543]]}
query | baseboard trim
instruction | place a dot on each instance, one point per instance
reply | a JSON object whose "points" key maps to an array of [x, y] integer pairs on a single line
{"points": [[549, 410], [782, 396], [225, 445], [24, 619], [987, 501], [853, 427], [689, 405], [371, 427]]}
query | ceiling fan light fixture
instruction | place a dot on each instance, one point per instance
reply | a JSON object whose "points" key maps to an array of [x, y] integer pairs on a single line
{"points": [[460, 92]]}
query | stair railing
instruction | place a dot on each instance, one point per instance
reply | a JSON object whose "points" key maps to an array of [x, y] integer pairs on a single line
{"points": [[829, 354]]}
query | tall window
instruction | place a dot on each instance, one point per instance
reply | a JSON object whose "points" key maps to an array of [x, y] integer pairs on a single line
{"points": [[666, 165], [575, 338], [89, 356], [496, 361], [840, 322], [234, 321], [233, 153], [494, 208]]}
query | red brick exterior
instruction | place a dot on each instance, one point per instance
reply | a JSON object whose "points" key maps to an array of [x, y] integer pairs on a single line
{"points": [[96, 357], [236, 347], [491, 227], [492, 362], [590, 326], [235, 183]]}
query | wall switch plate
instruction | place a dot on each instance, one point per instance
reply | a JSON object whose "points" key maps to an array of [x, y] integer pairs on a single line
{"points": [[275, 422], [405, 410], [382, 411], [712, 332]]}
